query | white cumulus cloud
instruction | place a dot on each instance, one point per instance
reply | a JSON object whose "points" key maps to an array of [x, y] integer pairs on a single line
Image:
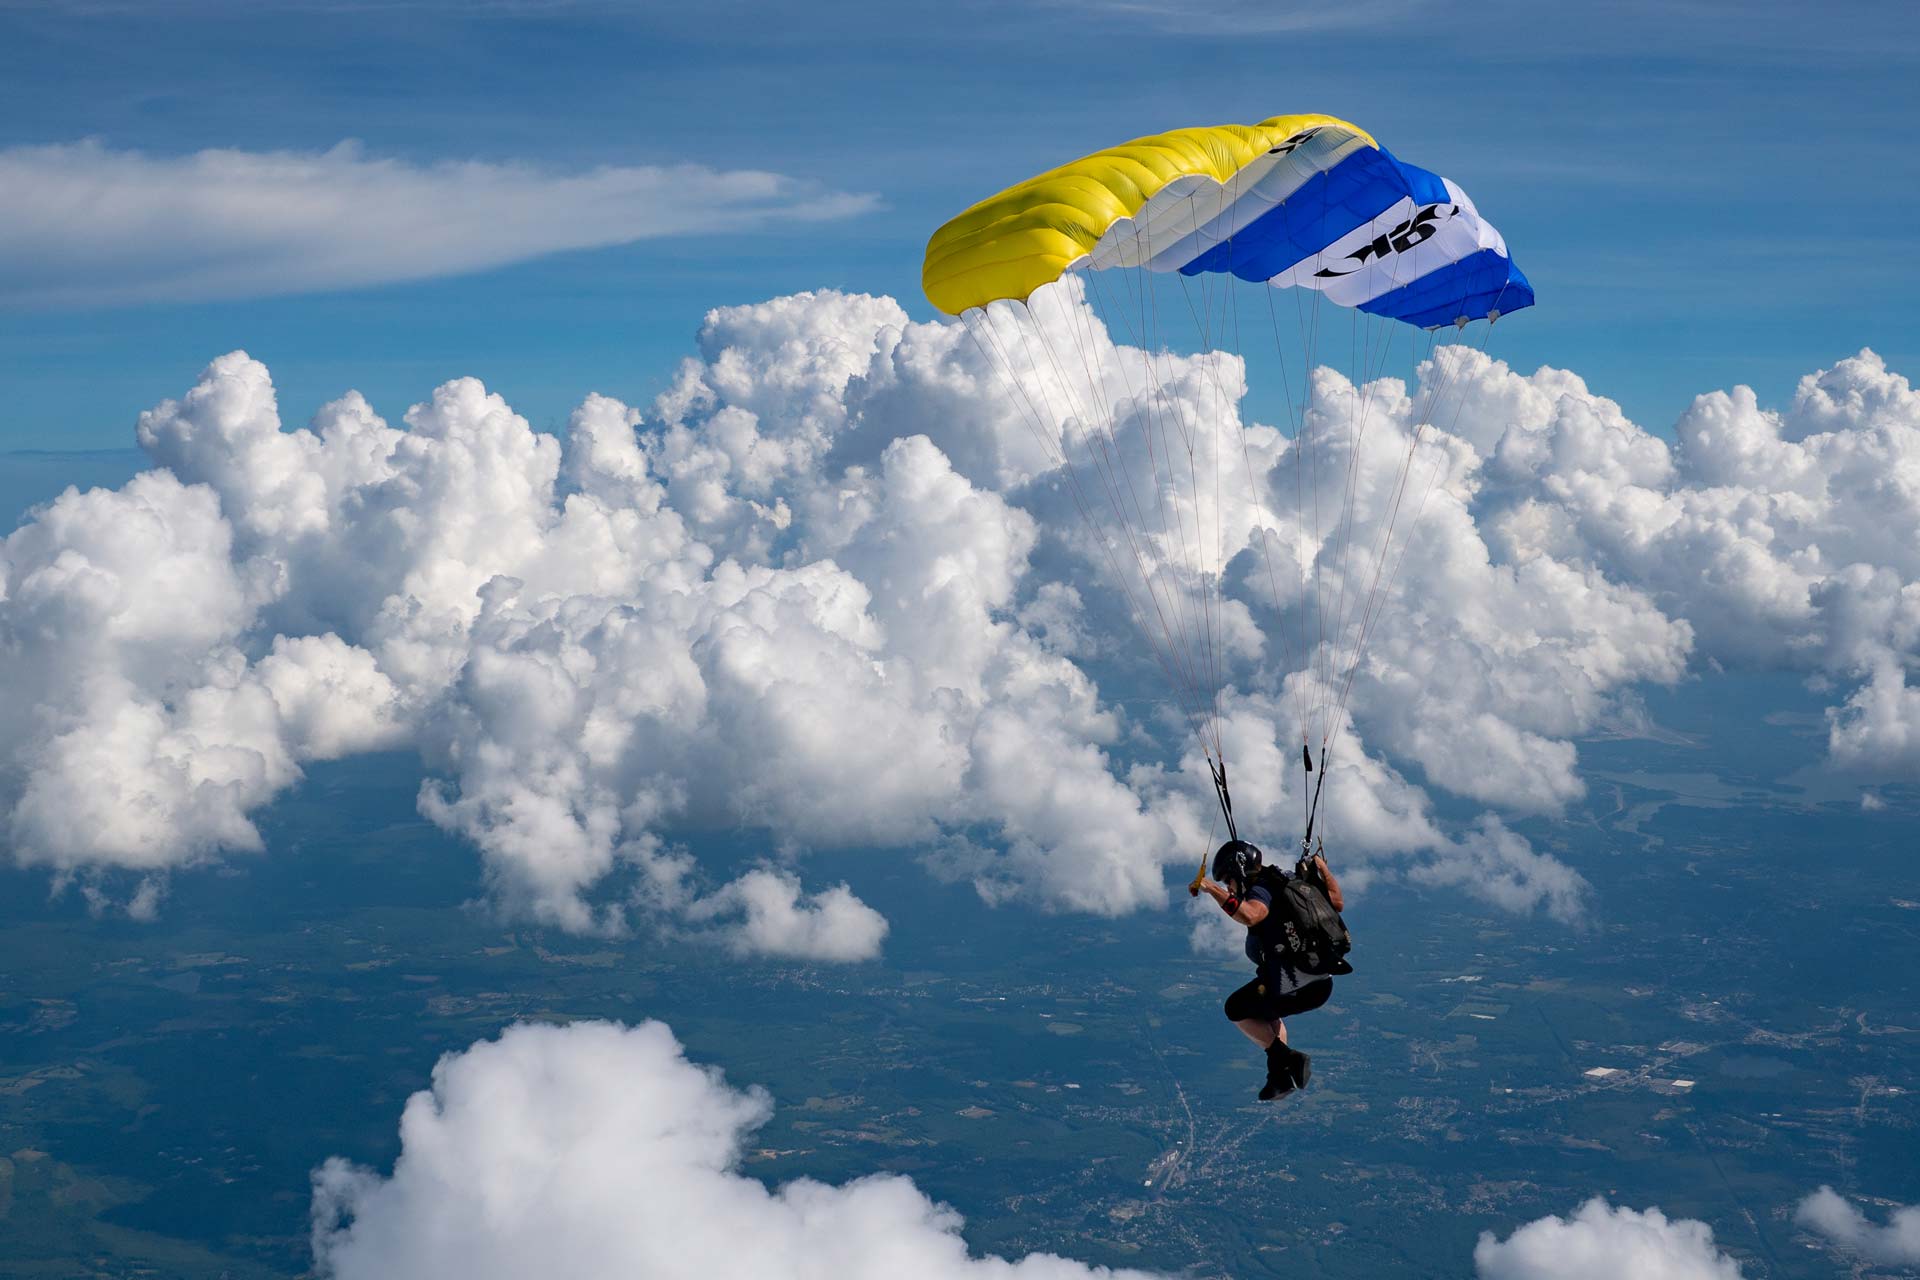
{"points": [[85, 223], [767, 913], [1781, 538], [598, 1151], [831, 588], [1842, 1222], [1599, 1241]]}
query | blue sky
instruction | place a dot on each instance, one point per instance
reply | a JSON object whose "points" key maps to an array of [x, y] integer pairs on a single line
{"points": [[1704, 194]]}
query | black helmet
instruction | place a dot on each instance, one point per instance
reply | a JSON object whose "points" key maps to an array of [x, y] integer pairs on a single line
{"points": [[1235, 865]]}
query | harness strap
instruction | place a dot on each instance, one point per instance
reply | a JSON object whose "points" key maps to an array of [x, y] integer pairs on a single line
{"points": [[1313, 811], [1219, 772]]}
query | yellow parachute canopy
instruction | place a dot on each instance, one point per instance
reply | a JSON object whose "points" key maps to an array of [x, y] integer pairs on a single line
{"points": [[1010, 244]]}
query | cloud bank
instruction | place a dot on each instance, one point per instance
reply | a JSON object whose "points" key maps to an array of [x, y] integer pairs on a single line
{"points": [[829, 588], [86, 224], [597, 1150], [1602, 1242]]}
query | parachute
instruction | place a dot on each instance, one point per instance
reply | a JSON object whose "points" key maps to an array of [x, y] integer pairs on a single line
{"points": [[1078, 286]]}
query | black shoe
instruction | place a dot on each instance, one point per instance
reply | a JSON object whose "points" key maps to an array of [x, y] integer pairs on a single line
{"points": [[1300, 1070], [1279, 1072]]}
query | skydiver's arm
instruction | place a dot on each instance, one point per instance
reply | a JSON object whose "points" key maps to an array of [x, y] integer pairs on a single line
{"points": [[1247, 913], [1332, 885]]}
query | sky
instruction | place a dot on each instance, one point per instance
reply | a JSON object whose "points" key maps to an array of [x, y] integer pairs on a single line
{"points": [[1670, 176], [544, 390]]}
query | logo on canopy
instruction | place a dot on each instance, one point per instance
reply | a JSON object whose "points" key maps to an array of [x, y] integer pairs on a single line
{"points": [[1298, 140], [1418, 229]]}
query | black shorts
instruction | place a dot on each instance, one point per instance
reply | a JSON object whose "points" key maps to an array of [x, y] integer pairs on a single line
{"points": [[1258, 1000]]}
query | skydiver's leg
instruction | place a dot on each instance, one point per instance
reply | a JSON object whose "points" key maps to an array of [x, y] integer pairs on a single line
{"points": [[1284, 1061], [1255, 1011], [1261, 1031], [1248, 1009]]}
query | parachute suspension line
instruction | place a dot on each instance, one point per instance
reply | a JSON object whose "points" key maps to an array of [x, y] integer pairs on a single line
{"points": [[1356, 443], [1368, 358], [1374, 603], [1228, 410], [1319, 592], [1299, 498], [1114, 477], [1373, 356], [1086, 345], [1097, 433], [1203, 412], [1213, 583], [1052, 448], [1193, 547], [1341, 526], [1307, 317], [1091, 436], [1199, 630], [1201, 562], [1371, 371], [1376, 600], [1260, 510], [1167, 659], [1225, 411], [1370, 613], [1257, 496], [1155, 413], [1207, 433], [1145, 408], [1153, 417], [1203, 325], [1210, 583]]}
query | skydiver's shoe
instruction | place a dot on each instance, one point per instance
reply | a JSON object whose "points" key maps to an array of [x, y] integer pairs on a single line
{"points": [[1279, 1072], [1300, 1070]]}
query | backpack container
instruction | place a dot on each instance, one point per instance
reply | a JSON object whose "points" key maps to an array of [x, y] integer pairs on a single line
{"points": [[1312, 938]]}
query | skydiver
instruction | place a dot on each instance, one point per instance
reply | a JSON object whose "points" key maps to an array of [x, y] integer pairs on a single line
{"points": [[1278, 991]]}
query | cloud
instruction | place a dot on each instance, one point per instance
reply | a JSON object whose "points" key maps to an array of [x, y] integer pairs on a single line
{"points": [[832, 587], [777, 919], [1841, 1222], [590, 640], [1601, 1242], [1783, 539], [598, 1150], [1876, 732], [1481, 665], [85, 224]]}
